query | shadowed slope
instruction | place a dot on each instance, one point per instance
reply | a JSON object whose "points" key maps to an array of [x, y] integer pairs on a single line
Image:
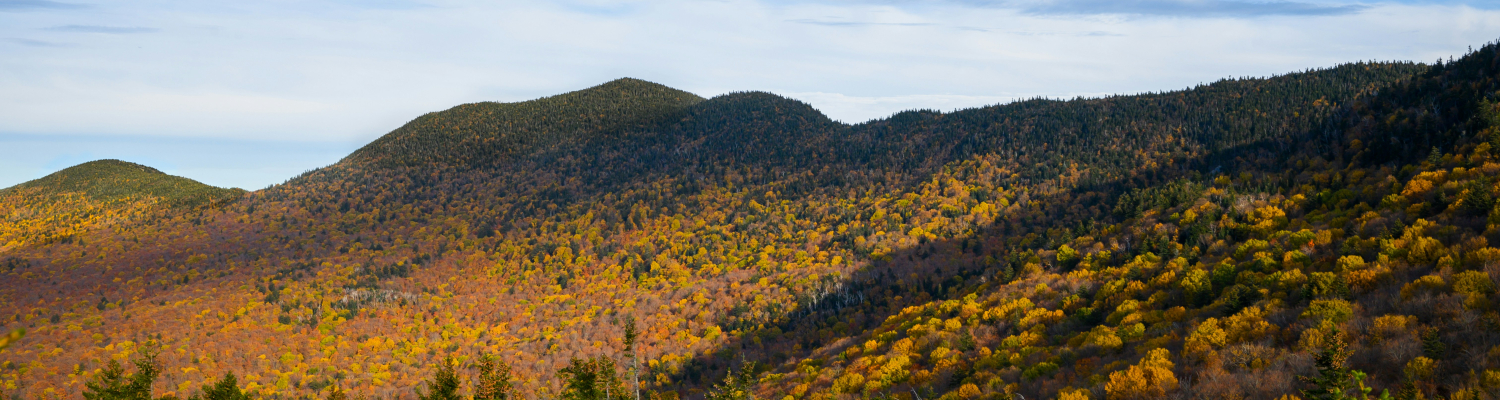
{"points": [[746, 227]]}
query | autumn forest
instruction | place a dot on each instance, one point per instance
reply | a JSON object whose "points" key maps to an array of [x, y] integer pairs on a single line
{"points": [[1331, 233]]}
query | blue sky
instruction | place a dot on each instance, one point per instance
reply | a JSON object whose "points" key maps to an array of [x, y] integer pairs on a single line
{"points": [[248, 94]]}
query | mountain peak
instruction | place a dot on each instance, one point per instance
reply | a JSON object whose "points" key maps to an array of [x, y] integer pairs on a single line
{"points": [[484, 133], [110, 166], [628, 84], [86, 177], [78, 198], [110, 179], [113, 163]]}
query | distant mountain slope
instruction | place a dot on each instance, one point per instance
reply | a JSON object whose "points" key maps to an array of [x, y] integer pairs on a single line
{"points": [[879, 259], [69, 201], [482, 134], [108, 180]]}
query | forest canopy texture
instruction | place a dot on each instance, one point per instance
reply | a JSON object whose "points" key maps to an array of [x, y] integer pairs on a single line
{"points": [[1324, 234]]}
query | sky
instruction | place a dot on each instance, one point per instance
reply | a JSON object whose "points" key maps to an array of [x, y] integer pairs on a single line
{"points": [[248, 94]]}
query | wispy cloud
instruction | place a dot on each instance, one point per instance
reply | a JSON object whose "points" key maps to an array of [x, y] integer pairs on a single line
{"points": [[22, 5], [390, 4], [607, 8], [1167, 8], [825, 22], [34, 42], [1075, 34], [1176, 8], [101, 29]]}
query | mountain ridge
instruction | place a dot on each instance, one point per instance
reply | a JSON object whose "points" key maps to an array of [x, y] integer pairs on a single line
{"points": [[490, 131], [1041, 248]]}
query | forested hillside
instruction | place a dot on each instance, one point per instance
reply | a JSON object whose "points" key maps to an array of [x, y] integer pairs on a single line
{"points": [[1215, 242], [60, 206]]}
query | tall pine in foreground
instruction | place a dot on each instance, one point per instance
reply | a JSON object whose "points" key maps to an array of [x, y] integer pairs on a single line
{"points": [[738, 385], [591, 379], [493, 382], [227, 388], [443, 385], [630, 337], [113, 384], [1335, 381]]}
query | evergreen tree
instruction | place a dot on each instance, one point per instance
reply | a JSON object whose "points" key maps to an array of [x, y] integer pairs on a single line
{"points": [[581, 381], [443, 385], [227, 388], [108, 384], [1334, 381], [591, 379], [738, 385], [630, 336], [1409, 391], [1432, 344], [113, 384]]}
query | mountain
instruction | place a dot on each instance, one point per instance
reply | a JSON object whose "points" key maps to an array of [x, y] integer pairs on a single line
{"points": [[65, 203], [1214, 242], [478, 134]]}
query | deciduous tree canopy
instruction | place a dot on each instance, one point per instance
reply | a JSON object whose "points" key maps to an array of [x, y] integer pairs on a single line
{"points": [[1214, 242]]}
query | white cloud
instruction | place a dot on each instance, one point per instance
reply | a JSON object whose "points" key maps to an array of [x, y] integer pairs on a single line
{"points": [[101, 29]]}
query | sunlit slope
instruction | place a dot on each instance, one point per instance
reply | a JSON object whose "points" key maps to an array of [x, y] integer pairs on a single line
{"points": [[60, 205], [746, 227], [1358, 254]]}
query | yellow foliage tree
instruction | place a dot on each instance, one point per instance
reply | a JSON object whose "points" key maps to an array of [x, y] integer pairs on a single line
{"points": [[1204, 339], [968, 391], [1079, 394], [12, 337], [1150, 379]]}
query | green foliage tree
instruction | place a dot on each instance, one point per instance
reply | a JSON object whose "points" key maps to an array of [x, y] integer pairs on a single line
{"points": [[1409, 391], [591, 379], [1325, 285], [443, 385], [738, 385], [1335, 381], [227, 388], [1432, 343], [113, 384], [631, 334]]}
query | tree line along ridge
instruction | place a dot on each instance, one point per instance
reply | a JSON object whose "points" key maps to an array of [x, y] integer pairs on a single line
{"points": [[1322, 234]]}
